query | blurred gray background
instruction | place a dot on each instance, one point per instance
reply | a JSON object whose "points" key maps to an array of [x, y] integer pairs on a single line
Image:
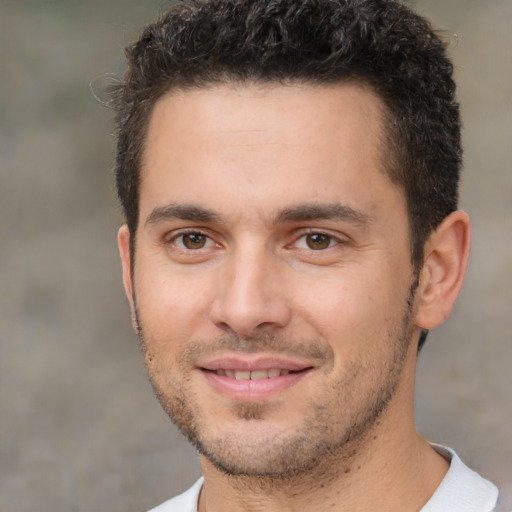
{"points": [[79, 427]]}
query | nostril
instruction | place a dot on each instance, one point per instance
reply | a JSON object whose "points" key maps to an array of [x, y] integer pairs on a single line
{"points": [[263, 325]]}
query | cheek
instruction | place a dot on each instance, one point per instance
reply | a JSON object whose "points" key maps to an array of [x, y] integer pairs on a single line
{"points": [[171, 307], [346, 301], [356, 313]]}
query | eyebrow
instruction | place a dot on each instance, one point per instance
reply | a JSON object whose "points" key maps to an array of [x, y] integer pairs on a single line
{"points": [[312, 212], [299, 213], [183, 212]]}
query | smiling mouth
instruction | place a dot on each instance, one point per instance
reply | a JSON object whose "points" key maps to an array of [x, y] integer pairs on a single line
{"points": [[257, 383], [270, 374], [254, 375]]}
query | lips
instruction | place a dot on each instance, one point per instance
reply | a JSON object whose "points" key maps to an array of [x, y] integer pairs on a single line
{"points": [[256, 379]]}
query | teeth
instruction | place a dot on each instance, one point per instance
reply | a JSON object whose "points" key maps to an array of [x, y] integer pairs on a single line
{"points": [[259, 375], [256, 375]]}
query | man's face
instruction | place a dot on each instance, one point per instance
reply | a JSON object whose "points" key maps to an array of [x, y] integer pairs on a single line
{"points": [[272, 275]]}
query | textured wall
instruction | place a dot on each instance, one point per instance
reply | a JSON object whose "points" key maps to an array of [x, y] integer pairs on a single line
{"points": [[79, 427]]}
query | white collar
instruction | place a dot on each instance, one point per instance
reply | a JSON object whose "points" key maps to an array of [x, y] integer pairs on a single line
{"points": [[462, 490]]}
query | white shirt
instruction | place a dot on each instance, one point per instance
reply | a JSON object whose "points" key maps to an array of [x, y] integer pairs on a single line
{"points": [[462, 490]]}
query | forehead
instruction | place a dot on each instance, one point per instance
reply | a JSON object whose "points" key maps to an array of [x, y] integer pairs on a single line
{"points": [[278, 142], [239, 108]]}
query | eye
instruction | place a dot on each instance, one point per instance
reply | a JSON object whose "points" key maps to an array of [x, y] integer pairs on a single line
{"points": [[192, 241], [316, 241]]}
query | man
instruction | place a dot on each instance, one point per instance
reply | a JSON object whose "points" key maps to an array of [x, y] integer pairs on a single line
{"points": [[289, 171]]}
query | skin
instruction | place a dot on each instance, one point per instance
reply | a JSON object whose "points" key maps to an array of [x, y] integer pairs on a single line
{"points": [[270, 235]]}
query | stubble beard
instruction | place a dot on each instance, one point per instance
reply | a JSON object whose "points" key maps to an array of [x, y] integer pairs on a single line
{"points": [[325, 436]]}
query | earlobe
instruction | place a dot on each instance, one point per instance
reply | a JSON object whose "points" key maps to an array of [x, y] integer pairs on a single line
{"points": [[445, 261], [123, 243]]}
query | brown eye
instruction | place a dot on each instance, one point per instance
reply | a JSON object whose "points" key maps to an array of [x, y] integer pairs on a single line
{"points": [[193, 240], [317, 241]]}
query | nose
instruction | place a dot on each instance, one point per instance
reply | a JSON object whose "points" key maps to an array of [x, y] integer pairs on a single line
{"points": [[250, 296]]}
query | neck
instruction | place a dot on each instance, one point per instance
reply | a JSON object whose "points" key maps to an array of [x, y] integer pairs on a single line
{"points": [[384, 476]]}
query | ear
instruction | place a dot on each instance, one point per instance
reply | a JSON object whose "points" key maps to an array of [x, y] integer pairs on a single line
{"points": [[446, 258], [123, 242]]}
